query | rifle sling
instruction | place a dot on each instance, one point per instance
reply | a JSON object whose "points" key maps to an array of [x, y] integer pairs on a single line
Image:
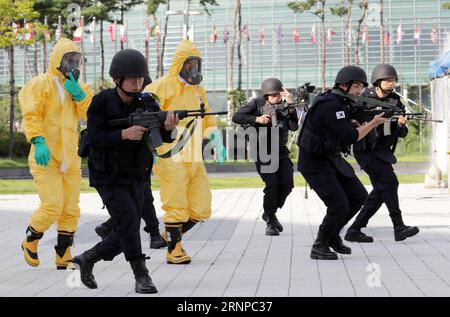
{"points": [[187, 133]]}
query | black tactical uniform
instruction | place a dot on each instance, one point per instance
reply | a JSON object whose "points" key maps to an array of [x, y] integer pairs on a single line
{"points": [[149, 217], [118, 169], [327, 133], [375, 155], [279, 183], [148, 210]]}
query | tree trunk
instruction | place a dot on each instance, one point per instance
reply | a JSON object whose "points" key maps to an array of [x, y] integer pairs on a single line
{"points": [[35, 56], [157, 48], [358, 30], [12, 95], [239, 55], [44, 49], [161, 66], [121, 19], [44, 56], [381, 32], [102, 58], [147, 39], [347, 29], [230, 101]]}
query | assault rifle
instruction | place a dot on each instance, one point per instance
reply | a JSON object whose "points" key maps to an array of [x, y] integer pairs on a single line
{"points": [[363, 109], [149, 117]]}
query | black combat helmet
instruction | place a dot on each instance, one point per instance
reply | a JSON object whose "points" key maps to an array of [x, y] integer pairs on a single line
{"points": [[128, 63], [383, 71], [351, 73], [271, 86]]}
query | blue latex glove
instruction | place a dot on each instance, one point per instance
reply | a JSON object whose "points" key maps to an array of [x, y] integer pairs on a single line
{"points": [[71, 85], [41, 152], [219, 148]]}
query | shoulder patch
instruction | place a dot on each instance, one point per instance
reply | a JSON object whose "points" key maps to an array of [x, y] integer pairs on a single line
{"points": [[340, 115]]}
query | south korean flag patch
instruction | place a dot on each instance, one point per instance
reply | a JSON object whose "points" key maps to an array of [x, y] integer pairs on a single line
{"points": [[340, 115]]}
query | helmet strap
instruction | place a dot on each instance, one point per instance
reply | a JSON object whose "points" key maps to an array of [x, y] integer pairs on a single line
{"points": [[378, 84], [128, 93], [349, 86]]}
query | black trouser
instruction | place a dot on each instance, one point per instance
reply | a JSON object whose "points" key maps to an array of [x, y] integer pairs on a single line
{"points": [[124, 204], [385, 186], [278, 185], [148, 213], [343, 197]]}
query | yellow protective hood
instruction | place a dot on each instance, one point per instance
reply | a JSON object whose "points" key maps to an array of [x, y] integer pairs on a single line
{"points": [[184, 50], [62, 47]]}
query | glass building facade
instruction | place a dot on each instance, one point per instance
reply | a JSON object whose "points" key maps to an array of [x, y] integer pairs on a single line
{"points": [[278, 55]]}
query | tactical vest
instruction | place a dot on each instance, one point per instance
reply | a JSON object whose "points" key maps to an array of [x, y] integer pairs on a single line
{"points": [[279, 116], [320, 142], [378, 138], [129, 158]]}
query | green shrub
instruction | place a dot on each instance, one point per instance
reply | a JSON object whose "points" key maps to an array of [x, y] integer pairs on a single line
{"points": [[21, 146]]}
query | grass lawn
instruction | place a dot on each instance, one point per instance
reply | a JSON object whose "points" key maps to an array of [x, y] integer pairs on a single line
{"points": [[23, 162], [27, 186]]}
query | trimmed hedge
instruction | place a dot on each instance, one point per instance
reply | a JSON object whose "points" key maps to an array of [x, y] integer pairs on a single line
{"points": [[21, 146]]}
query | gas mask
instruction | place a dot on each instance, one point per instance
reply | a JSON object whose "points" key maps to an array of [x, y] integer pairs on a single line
{"points": [[70, 63], [191, 70]]}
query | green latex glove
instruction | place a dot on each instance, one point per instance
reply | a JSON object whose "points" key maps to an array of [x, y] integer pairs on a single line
{"points": [[154, 158], [72, 87], [41, 152], [219, 148]]}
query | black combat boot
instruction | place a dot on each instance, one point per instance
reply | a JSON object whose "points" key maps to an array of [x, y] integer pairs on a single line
{"points": [[272, 230], [85, 262], [354, 235], [275, 221], [402, 232], [337, 245], [144, 284], [321, 250], [104, 229], [156, 241]]}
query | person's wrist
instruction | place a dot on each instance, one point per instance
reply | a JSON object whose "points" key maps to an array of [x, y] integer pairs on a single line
{"points": [[38, 140]]}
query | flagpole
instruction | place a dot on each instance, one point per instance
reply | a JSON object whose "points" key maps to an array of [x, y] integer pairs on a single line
{"points": [[226, 59], [273, 24], [214, 60], [390, 44], [147, 38], [260, 51], [115, 35], [281, 51], [126, 35], [366, 50], [246, 53], [401, 56], [25, 57], [318, 56], [82, 49], [296, 55], [214, 68], [44, 57], [95, 54]]}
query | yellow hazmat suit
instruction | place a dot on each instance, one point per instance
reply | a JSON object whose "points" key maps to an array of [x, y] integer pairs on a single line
{"points": [[49, 111], [185, 191]]}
